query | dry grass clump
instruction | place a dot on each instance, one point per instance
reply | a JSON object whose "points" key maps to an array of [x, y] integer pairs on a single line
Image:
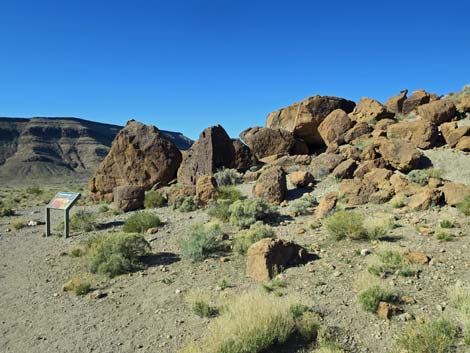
{"points": [[391, 262], [139, 222], [80, 284], [431, 337], [154, 199], [464, 206], [253, 323], [369, 299], [227, 177], [201, 303], [247, 237], [201, 241], [18, 223], [244, 213], [346, 224], [460, 301]]}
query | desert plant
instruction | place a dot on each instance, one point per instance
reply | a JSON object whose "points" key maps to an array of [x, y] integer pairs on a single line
{"points": [[398, 202], [18, 223], [82, 220], [421, 176], [370, 298], [186, 204], [391, 262], [203, 309], [431, 337], [201, 241], [230, 193], [446, 223], [79, 284], [219, 209], [6, 212], [247, 237], [302, 206], [227, 177], [346, 224], [103, 208], [116, 254], [243, 213], [34, 190], [460, 301], [83, 289], [154, 199], [464, 206], [139, 222], [444, 236]]}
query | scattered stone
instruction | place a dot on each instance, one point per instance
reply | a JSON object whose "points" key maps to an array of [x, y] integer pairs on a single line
{"points": [[345, 170], [418, 258], [301, 178], [387, 311], [97, 294]]}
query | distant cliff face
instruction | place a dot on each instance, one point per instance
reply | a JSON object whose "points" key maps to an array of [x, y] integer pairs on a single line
{"points": [[43, 147]]}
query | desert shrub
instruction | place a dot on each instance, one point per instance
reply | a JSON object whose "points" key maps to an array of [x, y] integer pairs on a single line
{"points": [[328, 349], [227, 177], [201, 303], [391, 262], [139, 222], [18, 223], [369, 299], [421, 176], [275, 287], [247, 237], [154, 199], [230, 193], [83, 289], [201, 241], [203, 309], [186, 203], [83, 221], [444, 236], [398, 202], [34, 190], [219, 209], [446, 223], [460, 301], [302, 206], [252, 323], [115, 254], [464, 206], [6, 212], [307, 326], [80, 284], [431, 337], [103, 208], [243, 213], [346, 224]]}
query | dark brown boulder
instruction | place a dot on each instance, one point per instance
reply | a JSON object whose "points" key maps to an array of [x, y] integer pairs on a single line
{"points": [[271, 185], [417, 98], [395, 103], [345, 169], [303, 118], [212, 151], [322, 165], [244, 159], [140, 155], [269, 257], [265, 142], [128, 198]]}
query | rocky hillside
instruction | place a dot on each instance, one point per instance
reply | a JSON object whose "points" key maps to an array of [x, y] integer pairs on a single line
{"points": [[43, 147]]}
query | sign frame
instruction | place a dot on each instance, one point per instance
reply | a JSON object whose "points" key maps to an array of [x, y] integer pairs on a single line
{"points": [[62, 201]]}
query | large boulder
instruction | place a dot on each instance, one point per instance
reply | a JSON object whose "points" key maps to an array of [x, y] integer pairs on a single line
{"points": [[333, 128], [212, 151], [358, 130], [437, 112], [322, 165], [301, 178], [269, 257], [464, 144], [454, 193], [271, 185], [452, 133], [243, 159], [395, 103], [417, 98], [345, 169], [303, 118], [368, 109], [128, 198], [326, 205], [206, 188], [421, 133], [265, 142], [463, 105], [400, 154], [425, 198], [140, 155]]}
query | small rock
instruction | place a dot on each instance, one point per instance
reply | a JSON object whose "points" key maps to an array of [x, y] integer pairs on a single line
{"points": [[387, 310], [365, 252], [337, 273], [97, 294], [152, 230], [418, 258]]}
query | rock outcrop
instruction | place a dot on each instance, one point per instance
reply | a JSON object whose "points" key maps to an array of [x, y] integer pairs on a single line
{"points": [[401, 154], [368, 110], [421, 133], [333, 128], [140, 155]]}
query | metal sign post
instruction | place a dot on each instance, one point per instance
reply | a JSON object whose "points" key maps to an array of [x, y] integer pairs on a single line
{"points": [[61, 201]]}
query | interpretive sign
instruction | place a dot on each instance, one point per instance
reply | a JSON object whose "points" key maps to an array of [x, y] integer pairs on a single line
{"points": [[61, 201]]}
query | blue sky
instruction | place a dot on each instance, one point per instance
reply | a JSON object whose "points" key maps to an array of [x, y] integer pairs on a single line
{"points": [[186, 65]]}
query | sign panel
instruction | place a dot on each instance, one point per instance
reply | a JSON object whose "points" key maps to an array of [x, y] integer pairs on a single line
{"points": [[63, 200]]}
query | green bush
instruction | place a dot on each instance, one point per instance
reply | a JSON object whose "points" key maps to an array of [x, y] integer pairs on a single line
{"points": [[247, 237], [6, 212], [18, 223], [186, 204], [444, 236], [154, 199], [421, 176], [141, 221], [346, 224], [82, 220], [243, 213], [219, 209], [464, 206], [391, 262], [432, 337], [83, 289], [201, 241], [103, 208], [446, 223], [369, 299], [460, 301], [302, 206], [227, 177], [230, 193], [115, 254]]}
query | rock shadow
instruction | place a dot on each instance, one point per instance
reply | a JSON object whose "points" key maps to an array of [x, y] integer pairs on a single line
{"points": [[159, 259]]}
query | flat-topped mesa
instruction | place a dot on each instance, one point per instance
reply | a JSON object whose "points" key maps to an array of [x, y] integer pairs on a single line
{"points": [[140, 155], [303, 118], [214, 150]]}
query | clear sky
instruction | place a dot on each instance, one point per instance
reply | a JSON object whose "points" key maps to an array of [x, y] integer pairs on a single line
{"points": [[186, 65]]}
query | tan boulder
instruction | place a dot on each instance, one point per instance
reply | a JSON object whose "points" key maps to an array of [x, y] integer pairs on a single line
{"points": [[301, 178], [386, 310], [395, 103], [368, 110], [269, 257], [326, 204], [140, 155], [452, 133], [345, 169], [454, 193], [322, 165], [437, 112], [271, 185], [265, 142], [401, 154], [358, 130], [402, 185], [206, 188], [128, 198], [464, 144], [463, 105], [368, 165], [303, 118], [417, 98], [425, 198], [419, 258], [333, 128], [357, 192], [421, 133]]}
